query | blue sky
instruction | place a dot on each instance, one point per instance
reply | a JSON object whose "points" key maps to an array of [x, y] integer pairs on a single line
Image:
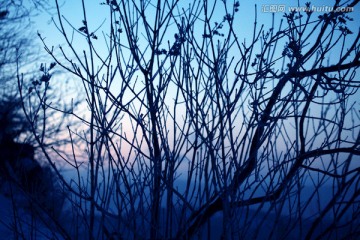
{"points": [[244, 20], [98, 14]]}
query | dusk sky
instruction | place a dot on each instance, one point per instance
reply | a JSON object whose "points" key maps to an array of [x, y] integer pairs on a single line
{"points": [[98, 20], [173, 119]]}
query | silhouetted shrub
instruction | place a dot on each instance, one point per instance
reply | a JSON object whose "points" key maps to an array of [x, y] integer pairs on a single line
{"points": [[18, 164]]}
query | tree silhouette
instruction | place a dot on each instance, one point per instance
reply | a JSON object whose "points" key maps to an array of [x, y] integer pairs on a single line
{"points": [[186, 119], [17, 157], [15, 50], [27, 183]]}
